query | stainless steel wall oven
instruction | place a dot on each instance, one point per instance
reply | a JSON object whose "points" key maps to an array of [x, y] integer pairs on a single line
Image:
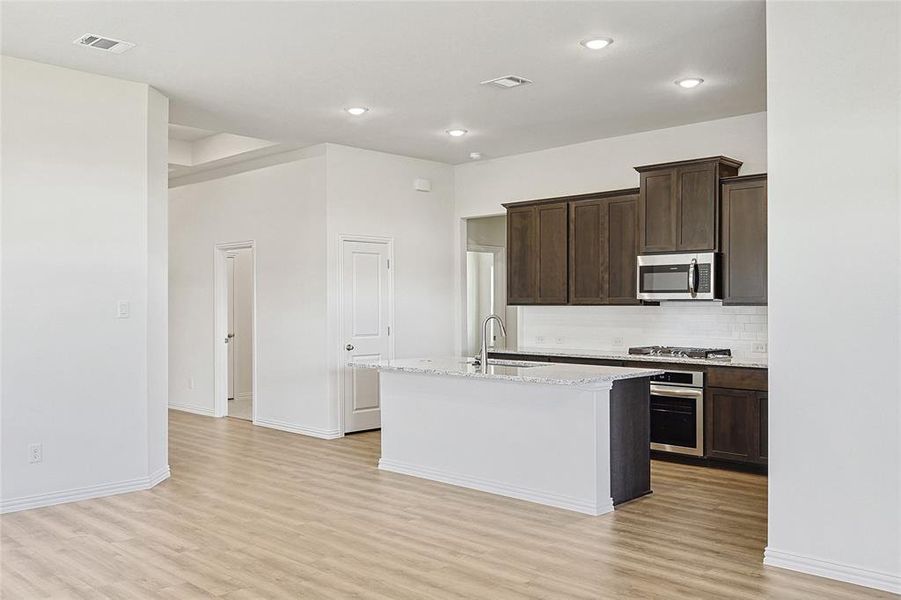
{"points": [[677, 412]]}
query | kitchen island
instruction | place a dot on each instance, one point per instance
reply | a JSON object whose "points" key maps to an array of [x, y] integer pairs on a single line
{"points": [[569, 436]]}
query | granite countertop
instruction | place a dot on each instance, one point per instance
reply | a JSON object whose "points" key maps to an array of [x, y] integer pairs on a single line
{"points": [[748, 362], [510, 370]]}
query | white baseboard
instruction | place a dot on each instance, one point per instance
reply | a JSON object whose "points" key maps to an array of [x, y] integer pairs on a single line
{"points": [[317, 432], [823, 568], [84, 493], [192, 408], [502, 489]]}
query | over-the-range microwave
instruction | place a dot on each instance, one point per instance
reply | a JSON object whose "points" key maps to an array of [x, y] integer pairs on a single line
{"points": [[693, 276]]}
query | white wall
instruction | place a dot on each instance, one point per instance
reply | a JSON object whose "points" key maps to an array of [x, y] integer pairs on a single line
{"points": [[281, 208], [371, 193], [486, 231], [83, 227], [607, 164], [294, 207], [835, 461]]}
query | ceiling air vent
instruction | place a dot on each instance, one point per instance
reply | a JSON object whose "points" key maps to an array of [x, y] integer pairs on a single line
{"points": [[103, 43], [508, 81]]}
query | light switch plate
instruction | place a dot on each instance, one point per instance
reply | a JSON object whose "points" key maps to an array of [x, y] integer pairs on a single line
{"points": [[123, 310]]}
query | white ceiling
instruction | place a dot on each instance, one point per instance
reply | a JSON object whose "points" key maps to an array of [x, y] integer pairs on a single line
{"points": [[283, 71]]}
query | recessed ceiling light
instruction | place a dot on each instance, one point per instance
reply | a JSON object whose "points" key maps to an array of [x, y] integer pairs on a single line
{"points": [[456, 132], [689, 82], [597, 43], [475, 155], [357, 110]]}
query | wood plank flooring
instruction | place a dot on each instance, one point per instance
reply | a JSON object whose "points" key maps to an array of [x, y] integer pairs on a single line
{"points": [[255, 513]]}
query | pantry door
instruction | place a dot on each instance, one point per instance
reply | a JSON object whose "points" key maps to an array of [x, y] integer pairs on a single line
{"points": [[365, 298]]}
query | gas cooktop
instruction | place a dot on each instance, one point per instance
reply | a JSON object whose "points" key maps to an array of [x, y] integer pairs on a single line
{"points": [[681, 352]]}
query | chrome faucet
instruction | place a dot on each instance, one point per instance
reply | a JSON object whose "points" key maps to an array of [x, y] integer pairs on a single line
{"points": [[483, 355]]}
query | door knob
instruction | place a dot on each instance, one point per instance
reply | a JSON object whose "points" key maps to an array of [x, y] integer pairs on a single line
{"points": [[349, 347]]}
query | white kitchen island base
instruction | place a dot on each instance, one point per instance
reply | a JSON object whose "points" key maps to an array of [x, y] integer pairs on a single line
{"points": [[543, 442]]}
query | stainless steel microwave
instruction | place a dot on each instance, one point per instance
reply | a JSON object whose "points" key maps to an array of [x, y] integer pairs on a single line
{"points": [[692, 276]]}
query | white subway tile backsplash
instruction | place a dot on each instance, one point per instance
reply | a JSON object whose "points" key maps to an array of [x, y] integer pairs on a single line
{"points": [[709, 324]]}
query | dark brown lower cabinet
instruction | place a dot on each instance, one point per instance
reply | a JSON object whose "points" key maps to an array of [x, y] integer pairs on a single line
{"points": [[736, 425], [763, 425]]}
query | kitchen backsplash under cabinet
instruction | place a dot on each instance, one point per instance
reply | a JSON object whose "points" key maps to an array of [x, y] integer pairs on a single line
{"points": [[743, 329]]}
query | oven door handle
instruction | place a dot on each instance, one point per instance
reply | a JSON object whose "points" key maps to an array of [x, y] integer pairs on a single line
{"points": [[662, 390], [672, 411]]}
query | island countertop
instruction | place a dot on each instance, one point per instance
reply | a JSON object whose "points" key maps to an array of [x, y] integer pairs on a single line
{"points": [[518, 371]]}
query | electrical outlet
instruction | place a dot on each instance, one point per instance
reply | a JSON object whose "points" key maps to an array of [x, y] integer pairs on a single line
{"points": [[539, 339], [559, 340], [617, 342], [759, 347], [35, 453]]}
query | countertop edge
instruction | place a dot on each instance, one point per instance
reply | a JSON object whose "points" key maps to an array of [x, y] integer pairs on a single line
{"points": [[707, 362], [588, 381]]}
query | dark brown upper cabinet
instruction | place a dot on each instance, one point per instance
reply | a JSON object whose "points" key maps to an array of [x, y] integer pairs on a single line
{"points": [[522, 240], [603, 245], [537, 265], [678, 204], [552, 253], [744, 240]]}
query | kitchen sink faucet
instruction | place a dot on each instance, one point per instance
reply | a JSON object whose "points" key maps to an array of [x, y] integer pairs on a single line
{"points": [[483, 355]]}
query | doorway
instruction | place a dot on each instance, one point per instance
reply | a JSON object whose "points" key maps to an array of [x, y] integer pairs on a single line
{"points": [[486, 284], [235, 327], [366, 314]]}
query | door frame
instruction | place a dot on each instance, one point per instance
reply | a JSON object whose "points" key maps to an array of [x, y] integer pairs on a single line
{"points": [[220, 325], [339, 309]]}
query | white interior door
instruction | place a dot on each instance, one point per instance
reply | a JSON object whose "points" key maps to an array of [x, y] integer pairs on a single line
{"points": [[365, 303], [230, 339]]}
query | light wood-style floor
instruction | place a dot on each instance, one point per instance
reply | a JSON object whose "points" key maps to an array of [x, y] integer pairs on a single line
{"points": [[256, 513]]}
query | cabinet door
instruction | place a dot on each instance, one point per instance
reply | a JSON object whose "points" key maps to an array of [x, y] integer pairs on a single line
{"points": [[731, 424], [763, 424], [522, 255], [744, 242], [553, 251], [587, 256], [622, 250], [697, 196], [658, 210]]}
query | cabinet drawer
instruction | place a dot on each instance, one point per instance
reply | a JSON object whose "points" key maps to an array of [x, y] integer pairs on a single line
{"points": [[648, 364], [737, 378]]}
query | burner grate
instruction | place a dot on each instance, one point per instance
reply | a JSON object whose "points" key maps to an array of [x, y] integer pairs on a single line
{"points": [[681, 352]]}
